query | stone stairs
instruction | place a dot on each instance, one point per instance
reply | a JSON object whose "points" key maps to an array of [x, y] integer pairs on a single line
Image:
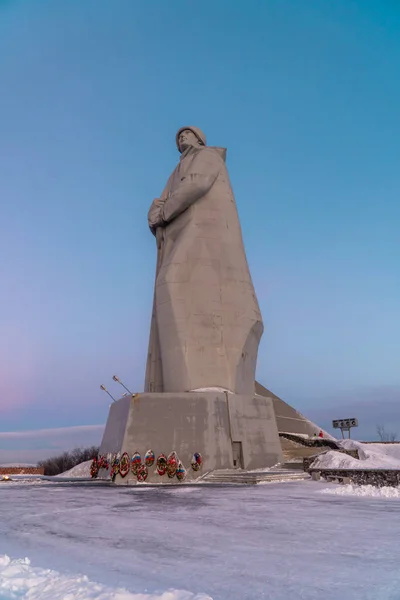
{"points": [[240, 477], [294, 465], [293, 450]]}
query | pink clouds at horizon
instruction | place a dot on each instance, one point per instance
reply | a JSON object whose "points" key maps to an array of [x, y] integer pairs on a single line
{"points": [[19, 368], [32, 446], [15, 391]]}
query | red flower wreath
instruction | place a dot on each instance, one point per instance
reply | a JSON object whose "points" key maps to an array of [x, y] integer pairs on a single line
{"points": [[162, 465], [149, 458], [180, 472], [142, 473], [124, 465], [172, 464], [136, 462], [94, 469]]}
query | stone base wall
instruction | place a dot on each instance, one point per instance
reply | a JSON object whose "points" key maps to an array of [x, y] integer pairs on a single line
{"points": [[375, 477], [227, 430]]}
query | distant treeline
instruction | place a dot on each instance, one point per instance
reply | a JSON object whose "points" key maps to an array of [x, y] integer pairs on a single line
{"points": [[65, 461]]}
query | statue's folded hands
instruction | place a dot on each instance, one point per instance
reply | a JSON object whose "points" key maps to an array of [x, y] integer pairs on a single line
{"points": [[155, 218]]}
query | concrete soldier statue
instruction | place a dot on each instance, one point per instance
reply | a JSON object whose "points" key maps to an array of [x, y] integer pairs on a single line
{"points": [[206, 323], [200, 397]]}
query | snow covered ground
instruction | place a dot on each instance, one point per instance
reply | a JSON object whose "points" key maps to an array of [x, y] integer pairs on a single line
{"points": [[370, 491], [248, 543], [19, 579], [81, 470], [372, 456]]}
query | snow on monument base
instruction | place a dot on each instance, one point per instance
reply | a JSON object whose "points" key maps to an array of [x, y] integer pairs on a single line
{"points": [[226, 430]]}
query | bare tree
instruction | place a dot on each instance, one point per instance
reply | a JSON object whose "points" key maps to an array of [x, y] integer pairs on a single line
{"points": [[385, 436], [65, 461]]}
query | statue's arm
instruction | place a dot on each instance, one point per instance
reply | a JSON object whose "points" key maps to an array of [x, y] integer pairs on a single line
{"points": [[195, 184], [154, 216]]}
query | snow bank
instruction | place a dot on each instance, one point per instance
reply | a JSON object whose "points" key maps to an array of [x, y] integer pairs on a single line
{"points": [[368, 491], [372, 456], [81, 470], [19, 580], [18, 480]]}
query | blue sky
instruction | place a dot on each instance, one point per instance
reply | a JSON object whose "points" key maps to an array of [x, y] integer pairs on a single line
{"points": [[304, 95]]}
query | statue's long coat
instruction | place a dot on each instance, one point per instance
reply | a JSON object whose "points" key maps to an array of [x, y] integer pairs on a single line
{"points": [[206, 323]]}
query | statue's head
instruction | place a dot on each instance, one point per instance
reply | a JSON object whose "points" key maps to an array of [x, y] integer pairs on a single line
{"points": [[190, 136]]}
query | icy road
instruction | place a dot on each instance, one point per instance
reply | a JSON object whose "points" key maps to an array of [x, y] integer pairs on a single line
{"points": [[273, 541]]}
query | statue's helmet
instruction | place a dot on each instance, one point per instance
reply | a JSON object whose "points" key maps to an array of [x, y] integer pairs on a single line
{"points": [[197, 132]]}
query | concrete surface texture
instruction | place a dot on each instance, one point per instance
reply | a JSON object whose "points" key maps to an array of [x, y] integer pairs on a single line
{"points": [[206, 323], [288, 419], [228, 430]]}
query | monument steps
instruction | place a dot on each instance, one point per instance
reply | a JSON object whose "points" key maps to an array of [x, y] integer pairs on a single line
{"points": [[294, 465], [280, 473], [300, 453], [293, 449]]}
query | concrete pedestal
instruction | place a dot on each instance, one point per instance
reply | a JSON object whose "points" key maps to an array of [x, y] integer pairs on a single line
{"points": [[228, 430]]}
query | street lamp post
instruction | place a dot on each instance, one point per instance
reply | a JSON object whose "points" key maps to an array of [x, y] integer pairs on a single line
{"points": [[103, 387], [117, 379]]}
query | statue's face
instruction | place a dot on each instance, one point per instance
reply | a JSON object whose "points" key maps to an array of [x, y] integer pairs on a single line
{"points": [[187, 138]]}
